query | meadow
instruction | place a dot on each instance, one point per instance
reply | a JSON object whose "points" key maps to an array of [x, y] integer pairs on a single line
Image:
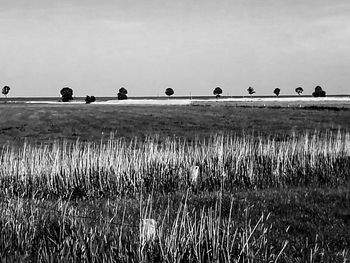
{"points": [[80, 183], [41, 123]]}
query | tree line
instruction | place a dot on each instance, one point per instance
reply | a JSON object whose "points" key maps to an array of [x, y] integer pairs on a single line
{"points": [[67, 93], [319, 92]]}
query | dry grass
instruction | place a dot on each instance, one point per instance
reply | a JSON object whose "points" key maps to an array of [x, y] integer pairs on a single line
{"points": [[118, 167], [32, 175], [29, 233]]}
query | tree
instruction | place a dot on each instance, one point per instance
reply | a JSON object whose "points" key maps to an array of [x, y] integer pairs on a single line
{"points": [[5, 91], [122, 94], [89, 99], [67, 94], [123, 90], [250, 90], [299, 90], [169, 92], [277, 91], [319, 92], [217, 92]]}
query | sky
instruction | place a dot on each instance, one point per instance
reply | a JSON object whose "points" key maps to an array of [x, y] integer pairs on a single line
{"points": [[95, 47]]}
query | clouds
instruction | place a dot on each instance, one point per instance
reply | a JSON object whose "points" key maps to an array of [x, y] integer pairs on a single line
{"points": [[189, 45]]}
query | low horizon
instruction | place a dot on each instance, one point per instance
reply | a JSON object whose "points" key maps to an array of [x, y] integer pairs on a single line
{"points": [[188, 94], [182, 96]]}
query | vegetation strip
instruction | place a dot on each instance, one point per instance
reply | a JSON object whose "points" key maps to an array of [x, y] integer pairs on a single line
{"points": [[208, 224]]}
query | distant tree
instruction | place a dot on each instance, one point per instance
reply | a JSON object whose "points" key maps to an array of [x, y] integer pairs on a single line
{"points": [[122, 94], [123, 90], [250, 90], [217, 92], [299, 90], [277, 91], [5, 91], [169, 92], [89, 99], [67, 94], [319, 92]]}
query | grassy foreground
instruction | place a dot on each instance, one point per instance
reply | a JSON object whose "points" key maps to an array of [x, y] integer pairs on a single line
{"points": [[270, 188], [298, 225], [256, 199], [268, 226]]}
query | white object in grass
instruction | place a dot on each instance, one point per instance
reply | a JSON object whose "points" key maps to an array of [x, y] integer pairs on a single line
{"points": [[148, 230], [194, 174]]}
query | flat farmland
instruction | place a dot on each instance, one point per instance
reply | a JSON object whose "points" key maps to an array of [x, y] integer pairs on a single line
{"points": [[207, 182], [44, 123]]}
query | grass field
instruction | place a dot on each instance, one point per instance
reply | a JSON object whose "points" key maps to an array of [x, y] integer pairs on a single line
{"points": [[273, 183], [44, 123]]}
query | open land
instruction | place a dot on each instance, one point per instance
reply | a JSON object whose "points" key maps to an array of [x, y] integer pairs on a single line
{"points": [[273, 182], [47, 122]]}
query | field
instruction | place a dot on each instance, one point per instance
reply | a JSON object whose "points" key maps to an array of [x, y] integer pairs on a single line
{"points": [[44, 123], [112, 183]]}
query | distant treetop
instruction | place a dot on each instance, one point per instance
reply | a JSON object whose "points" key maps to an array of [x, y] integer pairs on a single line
{"points": [[217, 92], [123, 90], [319, 92], [277, 91], [122, 94], [169, 92], [299, 90], [67, 94], [5, 90], [250, 90]]}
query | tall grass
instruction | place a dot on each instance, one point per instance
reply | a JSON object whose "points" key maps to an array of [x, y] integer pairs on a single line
{"points": [[31, 233], [118, 167], [36, 228]]}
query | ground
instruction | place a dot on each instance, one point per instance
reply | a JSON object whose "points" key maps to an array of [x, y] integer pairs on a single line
{"points": [[303, 215], [42, 122]]}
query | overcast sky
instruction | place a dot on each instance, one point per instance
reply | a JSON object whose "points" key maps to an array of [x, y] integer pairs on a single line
{"points": [[96, 47]]}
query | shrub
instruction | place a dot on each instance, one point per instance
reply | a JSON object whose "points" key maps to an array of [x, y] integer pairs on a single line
{"points": [[89, 99]]}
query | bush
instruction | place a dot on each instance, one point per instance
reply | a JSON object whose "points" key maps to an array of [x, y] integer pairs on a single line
{"points": [[89, 99]]}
